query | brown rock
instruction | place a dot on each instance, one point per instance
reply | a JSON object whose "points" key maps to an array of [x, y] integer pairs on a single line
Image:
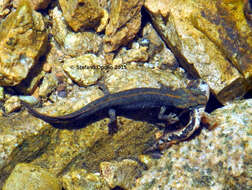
{"points": [[4, 7], [77, 44], [73, 44], [82, 180], [35, 4], [137, 54], [12, 104], [48, 84], [21, 139], [202, 37], [82, 13], [59, 27], [2, 94], [122, 174], [22, 41], [31, 177], [104, 21], [84, 70], [230, 32], [159, 54], [125, 21]]}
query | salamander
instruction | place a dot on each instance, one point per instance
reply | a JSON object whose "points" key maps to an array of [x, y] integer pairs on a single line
{"points": [[176, 102]]}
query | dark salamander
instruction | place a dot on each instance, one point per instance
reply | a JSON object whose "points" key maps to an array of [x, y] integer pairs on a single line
{"points": [[125, 103]]}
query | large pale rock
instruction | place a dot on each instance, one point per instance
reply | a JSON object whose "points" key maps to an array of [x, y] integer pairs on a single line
{"points": [[124, 23], [21, 139], [84, 70], [81, 13], [73, 44], [23, 40], [30, 177], [216, 159], [211, 39]]}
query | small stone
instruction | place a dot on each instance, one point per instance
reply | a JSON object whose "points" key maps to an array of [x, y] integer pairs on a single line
{"points": [[61, 90], [146, 160], [159, 54], [59, 27], [31, 177], [23, 40], [125, 21], [4, 5], [30, 84], [104, 21], [47, 67], [35, 4], [1, 93], [12, 104], [77, 44], [122, 174], [83, 14], [61, 76], [84, 70], [139, 54], [81, 180], [48, 85], [29, 99]]}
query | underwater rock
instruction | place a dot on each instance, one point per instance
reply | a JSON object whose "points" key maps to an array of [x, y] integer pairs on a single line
{"points": [[211, 39], [23, 39], [31, 177]]}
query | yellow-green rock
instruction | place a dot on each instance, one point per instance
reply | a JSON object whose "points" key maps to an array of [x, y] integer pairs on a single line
{"points": [[82, 180], [229, 30], [73, 43], [21, 139], [124, 23], [81, 13], [31, 177], [84, 70], [12, 104], [35, 4], [22, 41], [211, 39], [122, 174], [4, 8]]}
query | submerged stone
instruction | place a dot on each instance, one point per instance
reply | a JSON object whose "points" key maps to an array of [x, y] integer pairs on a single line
{"points": [[81, 13], [124, 23], [29, 177], [216, 159], [211, 39], [82, 180], [23, 40]]}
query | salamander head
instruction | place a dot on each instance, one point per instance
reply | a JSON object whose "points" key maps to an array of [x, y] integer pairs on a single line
{"points": [[199, 87]]}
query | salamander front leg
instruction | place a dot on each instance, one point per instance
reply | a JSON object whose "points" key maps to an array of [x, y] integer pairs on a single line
{"points": [[113, 121], [170, 118]]}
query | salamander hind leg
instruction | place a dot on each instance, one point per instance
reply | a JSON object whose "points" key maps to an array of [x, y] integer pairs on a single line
{"points": [[113, 121]]}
